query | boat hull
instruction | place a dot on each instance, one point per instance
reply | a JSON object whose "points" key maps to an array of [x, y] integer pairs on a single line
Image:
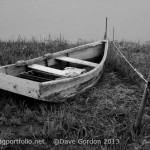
{"points": [[61, 89]]}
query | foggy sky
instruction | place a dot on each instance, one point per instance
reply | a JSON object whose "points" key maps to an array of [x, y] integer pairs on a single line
{"points": [[75, 19]]}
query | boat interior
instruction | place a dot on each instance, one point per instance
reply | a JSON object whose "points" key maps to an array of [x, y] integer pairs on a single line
{"points": [[57, 66], [42, 73]]}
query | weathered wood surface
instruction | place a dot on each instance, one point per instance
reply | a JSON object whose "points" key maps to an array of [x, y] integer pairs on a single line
{"points": [[68, 88], [12, 69], [86, 51], [76, 61], [56, 90], [19, 86], [53, 71]]}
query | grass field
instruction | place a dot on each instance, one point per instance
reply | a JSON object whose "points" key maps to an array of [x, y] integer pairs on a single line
{"points": [[105, 113]]}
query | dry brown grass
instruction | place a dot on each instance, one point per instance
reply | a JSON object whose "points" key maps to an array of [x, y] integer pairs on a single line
{"points": [[107, 111]]}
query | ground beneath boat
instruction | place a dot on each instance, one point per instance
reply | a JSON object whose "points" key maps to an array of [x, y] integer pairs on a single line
{"points": [[105, 113]]}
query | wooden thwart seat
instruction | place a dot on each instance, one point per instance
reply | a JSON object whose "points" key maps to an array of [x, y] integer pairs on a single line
{"points": [[61, 73], [76, 61], [53, 71]]}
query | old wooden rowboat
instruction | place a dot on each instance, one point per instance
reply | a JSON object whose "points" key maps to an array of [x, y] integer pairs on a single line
{"points": [[58, 76]]}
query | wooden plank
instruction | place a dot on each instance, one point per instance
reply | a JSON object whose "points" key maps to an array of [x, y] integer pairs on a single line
{"points": [[19, 86], [32, 77], [53, 71], [77, 61]]}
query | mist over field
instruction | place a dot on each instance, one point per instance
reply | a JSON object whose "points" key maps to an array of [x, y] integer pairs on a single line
{"points": [[80, 19]]}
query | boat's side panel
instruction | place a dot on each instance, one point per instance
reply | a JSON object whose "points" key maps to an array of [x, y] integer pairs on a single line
{"points": [[12, 69], [58, 91], [87, 53], [83, 54], [15, 69], [19, 86], [62, 90]]}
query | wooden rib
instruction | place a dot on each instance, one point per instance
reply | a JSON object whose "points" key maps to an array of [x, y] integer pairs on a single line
{"points": [[49, 70], [77, 61]]}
